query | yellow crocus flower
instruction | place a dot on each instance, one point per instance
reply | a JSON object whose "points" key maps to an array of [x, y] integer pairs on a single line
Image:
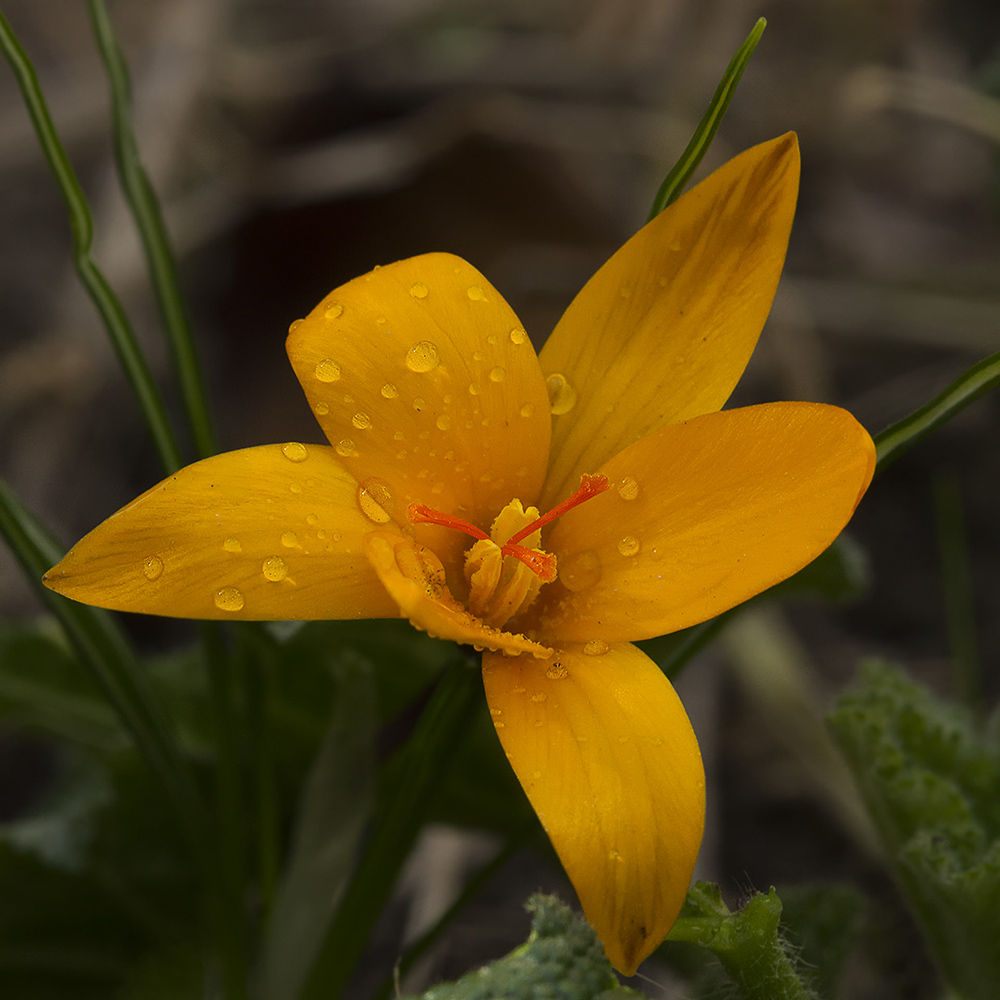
{"points": [[547, 509]]}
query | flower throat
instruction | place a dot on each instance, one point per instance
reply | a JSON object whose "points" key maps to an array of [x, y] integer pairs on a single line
{"points": [[505, 576]]}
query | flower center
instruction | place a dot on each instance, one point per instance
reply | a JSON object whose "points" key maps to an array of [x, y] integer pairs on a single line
{"points": [[505, 576]]}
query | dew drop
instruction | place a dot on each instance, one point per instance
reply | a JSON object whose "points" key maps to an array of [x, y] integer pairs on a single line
{"points": [[527, 410], [322, 409], [327, 370], [675, 245], [294, 488], [443, 422], [294, 451], [519, 690], [232, 544], [422, 357], [476, 293], [418, 290], [475, 388], [497, 374], [629, 545], [478, 356], [498, 725], [562, 396], [334, 310], [399, 436], [596, 647], [628, 488], [376, 500], [556, 672], [274, 569], [437, 489], [312, 519], [496, 711], [229, 599], [290, 540], [389, 391], [362, 421], [518, 336], [419, 404], [152, 567], [346, 448], [539, 697], [294, 325], [580, 570]]}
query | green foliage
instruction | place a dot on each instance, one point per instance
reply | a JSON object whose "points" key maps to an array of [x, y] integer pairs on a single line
{"points": [[747, 942], [562, 960], [930, 784]]}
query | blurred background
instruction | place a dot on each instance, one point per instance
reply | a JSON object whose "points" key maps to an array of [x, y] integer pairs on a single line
{"points": [[297, 143]]}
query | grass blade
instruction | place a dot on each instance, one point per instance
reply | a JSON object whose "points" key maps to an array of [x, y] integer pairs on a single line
{"points": [[160, 260], [91, 277], [673, 186]]}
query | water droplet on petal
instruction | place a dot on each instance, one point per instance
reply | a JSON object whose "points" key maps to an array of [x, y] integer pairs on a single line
{"points": [[333, 310], [312, 519], [229, 599], [322, 409], [475, 388], [376, 500], [327, 370], [596, 647], [556, 672], [629, 545], [478, 356], [562, 396], [294, 451], [443, 422], [152, 567], [527, 410], [497, 374], [628, 488], [419, 404], [346, 448], [580, 570], [362, 421], [518, 336], [476, 293], [675, 245], [539, 697], [389, 391], [290, 540], [422, 357], [418, 290], [294, 325], [295, 488], [274, 569], [232, 544]]}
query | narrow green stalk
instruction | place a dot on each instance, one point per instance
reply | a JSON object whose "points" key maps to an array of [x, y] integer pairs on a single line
{"points": [[262, 766], [959, 599], [968, 387], [104, 650], [93, 280], [160, 260], [676, 180], [228, 881], [434, 743]]}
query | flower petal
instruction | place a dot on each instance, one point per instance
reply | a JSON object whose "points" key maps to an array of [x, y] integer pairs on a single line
{"points": [[423, 378], [263, 533], [702, 516], [605, 752], [415, 578], [665, 328]]}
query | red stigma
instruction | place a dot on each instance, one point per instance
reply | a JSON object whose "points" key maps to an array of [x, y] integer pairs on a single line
{"points": [[542, 564]]}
